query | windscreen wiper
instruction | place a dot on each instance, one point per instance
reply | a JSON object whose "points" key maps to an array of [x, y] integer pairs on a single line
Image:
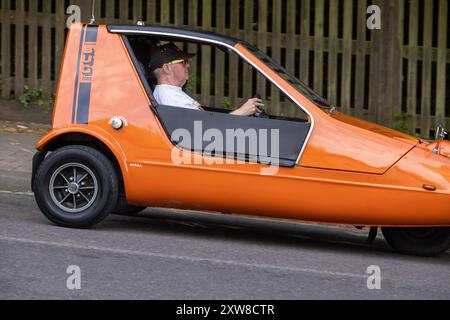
{"points": [[322, 102], [326, 105]]}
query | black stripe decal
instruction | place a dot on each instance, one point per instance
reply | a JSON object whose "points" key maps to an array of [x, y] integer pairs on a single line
{"points": [[91, 35], [84, 97], [75, 93], [85, 71]]}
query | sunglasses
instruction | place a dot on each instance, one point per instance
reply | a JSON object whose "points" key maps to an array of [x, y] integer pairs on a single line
{"points": [[183, 61]]}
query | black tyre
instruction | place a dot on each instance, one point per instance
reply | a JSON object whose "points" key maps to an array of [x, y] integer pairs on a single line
{"points": [[76, 186], [125, 209], [425, 242]]}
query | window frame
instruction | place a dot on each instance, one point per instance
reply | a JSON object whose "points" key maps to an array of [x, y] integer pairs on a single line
{"points": [[211, 40]]}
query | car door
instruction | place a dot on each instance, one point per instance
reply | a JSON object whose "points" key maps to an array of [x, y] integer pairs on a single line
{"points": [[226, 160]]}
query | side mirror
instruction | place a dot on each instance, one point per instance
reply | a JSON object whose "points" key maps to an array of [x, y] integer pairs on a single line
{"points": [[440, 136], [440, 132]]}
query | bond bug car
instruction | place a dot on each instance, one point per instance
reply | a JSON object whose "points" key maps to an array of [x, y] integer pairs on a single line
{"points": [[113, 148]]}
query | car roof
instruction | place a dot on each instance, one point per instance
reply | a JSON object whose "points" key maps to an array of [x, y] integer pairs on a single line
{"points": [[185, 33]]}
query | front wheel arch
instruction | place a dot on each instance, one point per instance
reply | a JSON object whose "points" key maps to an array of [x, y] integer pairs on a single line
{"points": [[76, 186], [79, 138]]}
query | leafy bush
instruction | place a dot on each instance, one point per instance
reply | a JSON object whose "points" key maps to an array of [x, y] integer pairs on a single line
{"points": [[32, 96], [401, 122], [226, 103]]}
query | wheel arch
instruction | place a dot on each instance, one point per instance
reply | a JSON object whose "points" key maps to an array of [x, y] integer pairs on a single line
{"points": [[107, 146]]}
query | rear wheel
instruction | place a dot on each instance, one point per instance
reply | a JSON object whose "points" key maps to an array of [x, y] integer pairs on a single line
{"points": [[425, 242], [76, 186]]}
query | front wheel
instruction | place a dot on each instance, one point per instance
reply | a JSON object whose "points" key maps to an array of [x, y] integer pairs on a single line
{"points": [[76, 186], [425, 242]]}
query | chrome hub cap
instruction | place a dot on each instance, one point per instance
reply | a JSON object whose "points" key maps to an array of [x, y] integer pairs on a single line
{"points": [[73, 187]]}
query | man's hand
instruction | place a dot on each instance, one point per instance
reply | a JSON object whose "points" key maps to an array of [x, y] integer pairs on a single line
{"points": [[251, 107]]}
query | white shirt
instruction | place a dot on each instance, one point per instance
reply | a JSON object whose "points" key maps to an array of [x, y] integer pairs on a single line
{"points": [[169, 95]]}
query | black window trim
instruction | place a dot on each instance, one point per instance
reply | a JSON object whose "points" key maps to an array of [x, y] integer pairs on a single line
{"points": [[142, 77]]}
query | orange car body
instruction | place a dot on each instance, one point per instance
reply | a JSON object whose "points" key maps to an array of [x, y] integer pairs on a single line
{"points": [[349, 172]]}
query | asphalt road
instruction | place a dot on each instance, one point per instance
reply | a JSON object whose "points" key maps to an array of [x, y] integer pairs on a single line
{"points": [[165, 254]]}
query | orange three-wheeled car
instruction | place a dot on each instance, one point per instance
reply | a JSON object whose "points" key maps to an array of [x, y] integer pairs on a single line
{"points": [[113, 148]]}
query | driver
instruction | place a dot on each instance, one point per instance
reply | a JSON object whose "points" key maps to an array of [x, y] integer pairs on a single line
{"points": [[170, 66]]}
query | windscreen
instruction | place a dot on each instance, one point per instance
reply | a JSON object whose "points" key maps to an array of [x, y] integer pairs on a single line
{"points": [[297, 83]]}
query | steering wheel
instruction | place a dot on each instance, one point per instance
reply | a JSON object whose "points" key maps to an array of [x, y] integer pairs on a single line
{"points": [[263, 113]]}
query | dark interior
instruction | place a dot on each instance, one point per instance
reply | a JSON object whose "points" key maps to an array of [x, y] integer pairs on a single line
{"points": [[292, 131], [292, 135], [143, 48]]}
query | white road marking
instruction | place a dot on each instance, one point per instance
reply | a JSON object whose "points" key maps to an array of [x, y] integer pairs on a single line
{"points": [[176, 257], [31, 194], [26, 150]]}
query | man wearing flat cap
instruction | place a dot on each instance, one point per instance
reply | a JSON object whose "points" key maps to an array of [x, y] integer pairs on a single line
{"points": [[170, 66]]}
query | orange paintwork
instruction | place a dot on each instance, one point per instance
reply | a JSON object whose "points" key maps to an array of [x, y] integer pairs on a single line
{"points": [[351, 172]]}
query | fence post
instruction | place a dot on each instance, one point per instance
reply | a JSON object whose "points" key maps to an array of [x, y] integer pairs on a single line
{"points": [[441, 63], [333, 53], [60, 30], [6, 51], [385, 77], [46, 58], [347, 44], [360, 61], [412, 57], [32, 44], [86, 9]]}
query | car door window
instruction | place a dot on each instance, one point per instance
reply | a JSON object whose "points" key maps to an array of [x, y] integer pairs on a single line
{"points": [[221, 82]]}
